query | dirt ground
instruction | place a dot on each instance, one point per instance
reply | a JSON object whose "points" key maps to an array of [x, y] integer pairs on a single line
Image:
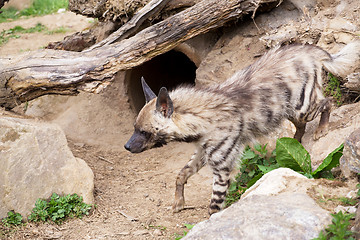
{"points": [[133, 192]]}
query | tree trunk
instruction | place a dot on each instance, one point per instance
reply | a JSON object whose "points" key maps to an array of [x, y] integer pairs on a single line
{"points": [[29, 75]]}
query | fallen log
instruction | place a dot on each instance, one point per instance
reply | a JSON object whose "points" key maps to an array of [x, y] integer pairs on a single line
{"points": [[29, 75]]}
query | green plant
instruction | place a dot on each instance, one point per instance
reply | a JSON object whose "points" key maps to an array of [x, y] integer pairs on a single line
{"points": [[289, 153], [58, 208], [333, 89], [253, 165], [12, 219], [162, 228], [338, 230], [348, 201], [38, 8], [57, 30], [189, 227]]}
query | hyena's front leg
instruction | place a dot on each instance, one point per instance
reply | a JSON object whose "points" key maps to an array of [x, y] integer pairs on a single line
{"points": [[300, 128], [221, 182], [193, 166]]}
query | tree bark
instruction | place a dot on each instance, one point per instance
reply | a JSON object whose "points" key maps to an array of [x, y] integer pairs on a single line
{"points": [[30, 75], [130, 27]]}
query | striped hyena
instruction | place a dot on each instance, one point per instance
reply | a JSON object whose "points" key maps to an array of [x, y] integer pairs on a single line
{"points": [[221, 119]]}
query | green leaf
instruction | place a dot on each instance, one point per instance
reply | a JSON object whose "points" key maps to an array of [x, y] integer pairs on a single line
{"points": [[254, 179], [248, 154], [291, 154], [257, 147], [251, 173], [266, 169], [189, 226], [233, 187], [331, 161]]}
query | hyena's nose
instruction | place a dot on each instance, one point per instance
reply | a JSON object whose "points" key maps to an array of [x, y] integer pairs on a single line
{"points": [[127, 147]]}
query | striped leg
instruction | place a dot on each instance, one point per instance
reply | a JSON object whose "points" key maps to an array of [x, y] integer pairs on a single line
{"points": [[221, 182], [193, 166], [322, 129]]}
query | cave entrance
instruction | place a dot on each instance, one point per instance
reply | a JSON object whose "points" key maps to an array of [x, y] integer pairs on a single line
{"points": [[167, 70]]}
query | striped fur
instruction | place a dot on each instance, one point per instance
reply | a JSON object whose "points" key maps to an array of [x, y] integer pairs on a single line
{"points": [[221, 119]]}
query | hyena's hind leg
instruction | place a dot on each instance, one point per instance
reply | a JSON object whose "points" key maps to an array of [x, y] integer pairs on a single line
{"points": [[323, 127], [323, 107], [193, 166]]}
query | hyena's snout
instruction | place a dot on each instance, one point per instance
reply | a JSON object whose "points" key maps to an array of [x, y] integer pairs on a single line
{"points": [[136, 143]]}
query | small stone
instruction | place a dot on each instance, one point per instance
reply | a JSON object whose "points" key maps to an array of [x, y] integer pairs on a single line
{"points": [[140, 232], [157, 232], [80, 145], [352, 194], [348, 209]]}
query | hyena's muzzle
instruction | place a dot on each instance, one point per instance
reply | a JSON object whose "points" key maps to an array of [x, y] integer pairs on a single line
{"points": [[141, 141], [138, 142]]}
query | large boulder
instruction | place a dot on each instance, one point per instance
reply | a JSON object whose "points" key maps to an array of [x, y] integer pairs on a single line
{"points": [[350, 161], [36, 162], [276, 207]]}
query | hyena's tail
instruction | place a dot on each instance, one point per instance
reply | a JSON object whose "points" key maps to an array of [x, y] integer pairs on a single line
{"points": [[345, 61]]}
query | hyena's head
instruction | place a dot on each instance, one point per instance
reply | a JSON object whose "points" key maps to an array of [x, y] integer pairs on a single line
{"points": [[153, 125]]}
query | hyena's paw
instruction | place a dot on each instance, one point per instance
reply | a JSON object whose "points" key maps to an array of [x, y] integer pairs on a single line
{"points": [[320, 132], [214, 208], [179, 205]]}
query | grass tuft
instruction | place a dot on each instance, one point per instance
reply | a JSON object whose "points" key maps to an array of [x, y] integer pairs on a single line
{"points": [[38, 8], [333, 89], [58, 208], [14, 32]]}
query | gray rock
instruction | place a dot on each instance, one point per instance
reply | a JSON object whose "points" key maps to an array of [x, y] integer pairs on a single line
{"points": [[356, 227], [350, 161], [279, 181], [276, 207], [286, 216], [343, 121], [35, 162]]}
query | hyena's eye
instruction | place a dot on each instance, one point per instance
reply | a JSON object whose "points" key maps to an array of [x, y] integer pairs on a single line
{"points": [[146, 134]]}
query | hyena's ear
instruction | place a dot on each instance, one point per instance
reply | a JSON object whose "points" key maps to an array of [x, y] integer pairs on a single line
{"points": [[149, 94], [164, 104]]}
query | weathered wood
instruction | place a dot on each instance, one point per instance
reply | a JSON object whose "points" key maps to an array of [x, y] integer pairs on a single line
{"points": [[30, 75], [132, 26]]}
